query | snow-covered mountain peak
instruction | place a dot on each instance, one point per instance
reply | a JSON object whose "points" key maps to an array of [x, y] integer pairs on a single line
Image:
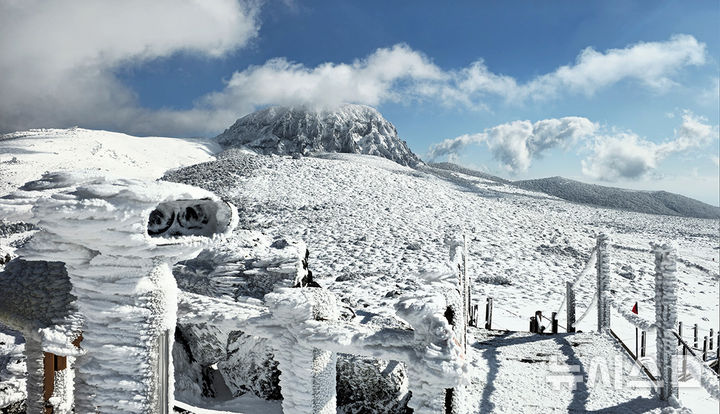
{"points": [[351, 128]]}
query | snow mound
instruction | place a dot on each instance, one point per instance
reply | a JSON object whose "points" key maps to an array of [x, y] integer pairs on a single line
{"points": [[25, 155], [354, 129]]}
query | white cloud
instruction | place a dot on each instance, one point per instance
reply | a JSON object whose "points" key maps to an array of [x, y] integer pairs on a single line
{"points": [[58, 62], [651, 63], [516, 144], [57, 58], [627, 156], [388, 74]]}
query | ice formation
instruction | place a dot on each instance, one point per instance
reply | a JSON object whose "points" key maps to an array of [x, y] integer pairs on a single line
{"points": [[36, 301], [666, 317], [355, 129], [603, 283], [306, 321], [118, 251]]}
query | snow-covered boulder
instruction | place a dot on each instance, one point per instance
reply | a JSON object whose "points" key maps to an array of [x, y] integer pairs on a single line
{"points": [[354, 129], [248, 264]]}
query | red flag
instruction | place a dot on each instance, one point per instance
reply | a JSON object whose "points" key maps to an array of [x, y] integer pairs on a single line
{"points": [[634, 309]]}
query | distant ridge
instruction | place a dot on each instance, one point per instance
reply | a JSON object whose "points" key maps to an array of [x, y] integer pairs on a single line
{"points": [[467, 171], [652, 202]]}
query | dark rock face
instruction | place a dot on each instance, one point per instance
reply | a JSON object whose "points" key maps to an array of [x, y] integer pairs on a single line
{"points": [[369, 385], [355, 129]]}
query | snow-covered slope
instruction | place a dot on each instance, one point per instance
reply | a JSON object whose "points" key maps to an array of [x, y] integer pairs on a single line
{"points": [[25, 155], [372, 226], [652, 202], [356, 129]]}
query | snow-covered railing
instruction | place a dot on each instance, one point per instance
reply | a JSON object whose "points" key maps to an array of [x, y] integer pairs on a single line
{"points": [[589, 265], [632, 318], [709, 380], [303, 326]]}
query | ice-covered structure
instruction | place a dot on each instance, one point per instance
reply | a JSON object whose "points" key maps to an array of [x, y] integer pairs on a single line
{"points": [[118, 239], [37, 302], [303, 331], [112, 243]]}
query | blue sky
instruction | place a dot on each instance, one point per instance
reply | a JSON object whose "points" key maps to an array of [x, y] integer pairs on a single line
{"points": [[639, 110]]}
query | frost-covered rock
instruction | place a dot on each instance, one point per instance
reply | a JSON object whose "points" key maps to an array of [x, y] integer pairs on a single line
{"points": [[248, 264], [354, 129], [250, 366], [369, 385]]}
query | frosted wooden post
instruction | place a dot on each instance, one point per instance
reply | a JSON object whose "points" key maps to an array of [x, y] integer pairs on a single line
{"points": [[695, 336], [666, 317], [643, 343], [538, 319], [711, 336], [488, 313], [35, 375], [307, 374], [603, 283], [679, 333], [570, 300]]}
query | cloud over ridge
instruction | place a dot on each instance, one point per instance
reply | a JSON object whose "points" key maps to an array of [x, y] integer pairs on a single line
{"points": [[515, 144]]}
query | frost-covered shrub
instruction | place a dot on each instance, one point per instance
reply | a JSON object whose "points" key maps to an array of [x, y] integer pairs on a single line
{"points": [[369, 385], [499, 280]]}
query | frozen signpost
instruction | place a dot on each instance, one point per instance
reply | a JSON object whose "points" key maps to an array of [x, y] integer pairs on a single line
{"points": [[118, 240]]}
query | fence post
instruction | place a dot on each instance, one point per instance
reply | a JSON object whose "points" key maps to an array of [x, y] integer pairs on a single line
{"points": [[603, 282], [538, 318], [684, 360], [533, 325], [488, 313], [642, 344], [679, 332], [637, 339], [570, 300], [666, 317], [554, 323], [711, 336], [705, 349], [695, 337]]}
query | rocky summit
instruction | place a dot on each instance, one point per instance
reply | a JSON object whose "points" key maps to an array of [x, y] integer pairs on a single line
{"points": [[356, 129]]}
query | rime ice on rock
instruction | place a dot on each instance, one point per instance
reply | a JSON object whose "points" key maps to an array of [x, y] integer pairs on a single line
{"points": [[118, 239], [355, 129]]}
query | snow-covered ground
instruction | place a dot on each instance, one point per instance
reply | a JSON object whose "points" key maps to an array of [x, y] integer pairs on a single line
{"points": [[372, 225], [26, 155]]}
